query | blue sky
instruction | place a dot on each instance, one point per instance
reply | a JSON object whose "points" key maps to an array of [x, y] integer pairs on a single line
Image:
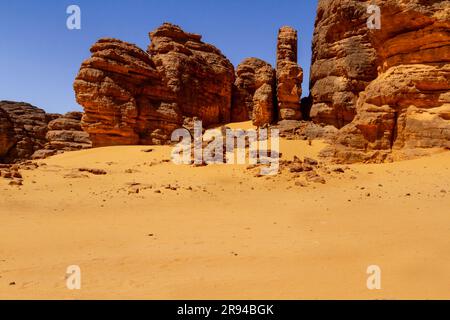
{"points": [[40, 57]]}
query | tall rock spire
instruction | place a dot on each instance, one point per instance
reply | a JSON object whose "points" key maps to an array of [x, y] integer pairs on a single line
{"points": [[289, 75]]}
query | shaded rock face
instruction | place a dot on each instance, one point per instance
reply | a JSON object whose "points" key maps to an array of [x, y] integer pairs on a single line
{"points": [[289, 75], [254, 91], [27, 132], [134, 97], [402, 77], [29, 127], [65, 133], [7, 138]]}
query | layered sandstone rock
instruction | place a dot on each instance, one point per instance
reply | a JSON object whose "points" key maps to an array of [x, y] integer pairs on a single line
{"points": [[134, 97], [27, 132], [405, 109], [124, 98], [289, 75], [29, 125], [199, 75], [253, 94], [343, 60], [7, 138], [65, 133]]}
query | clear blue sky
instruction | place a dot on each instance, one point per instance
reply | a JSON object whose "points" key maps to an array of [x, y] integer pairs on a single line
{"points": [[39, 56]]}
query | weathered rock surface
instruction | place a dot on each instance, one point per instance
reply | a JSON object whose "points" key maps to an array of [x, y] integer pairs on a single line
{"points": [[7, 138], [289, 75], [124, 98], [305, 130], [199, 75], [343, 61], [27, 132], [65, 133], [134, 97], [253, 94], [401, 75], [29, 129]]}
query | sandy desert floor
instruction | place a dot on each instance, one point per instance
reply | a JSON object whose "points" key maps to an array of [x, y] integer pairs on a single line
{"points": [[219, 232]]}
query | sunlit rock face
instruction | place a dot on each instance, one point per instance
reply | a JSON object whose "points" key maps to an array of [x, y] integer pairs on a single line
{"points": [[289, 75], [135, 97], [253, 94], [388, 88]]}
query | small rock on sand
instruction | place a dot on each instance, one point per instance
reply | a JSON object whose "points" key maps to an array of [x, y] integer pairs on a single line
{"points": [[15, 183], [93, 171]]}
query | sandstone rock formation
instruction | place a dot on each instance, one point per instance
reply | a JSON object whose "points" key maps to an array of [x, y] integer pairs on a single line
{"points": [[7, 138], [254, 91], [343, 61], [28, 132], [124, 98], [199, 75], [134, 97], [65, 134], [289, 75], [29, 129], [396, 79]]}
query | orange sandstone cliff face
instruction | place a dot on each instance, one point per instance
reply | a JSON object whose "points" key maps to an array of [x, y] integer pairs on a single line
{"points": [[388, 88], [135, 97], [124, 97]]}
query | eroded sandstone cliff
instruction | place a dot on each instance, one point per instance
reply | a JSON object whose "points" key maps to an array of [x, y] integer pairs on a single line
{"points": [[389, 87], [131, 96]]}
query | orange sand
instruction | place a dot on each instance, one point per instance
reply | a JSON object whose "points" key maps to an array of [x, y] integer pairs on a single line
{"points": [[233, 235]]}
